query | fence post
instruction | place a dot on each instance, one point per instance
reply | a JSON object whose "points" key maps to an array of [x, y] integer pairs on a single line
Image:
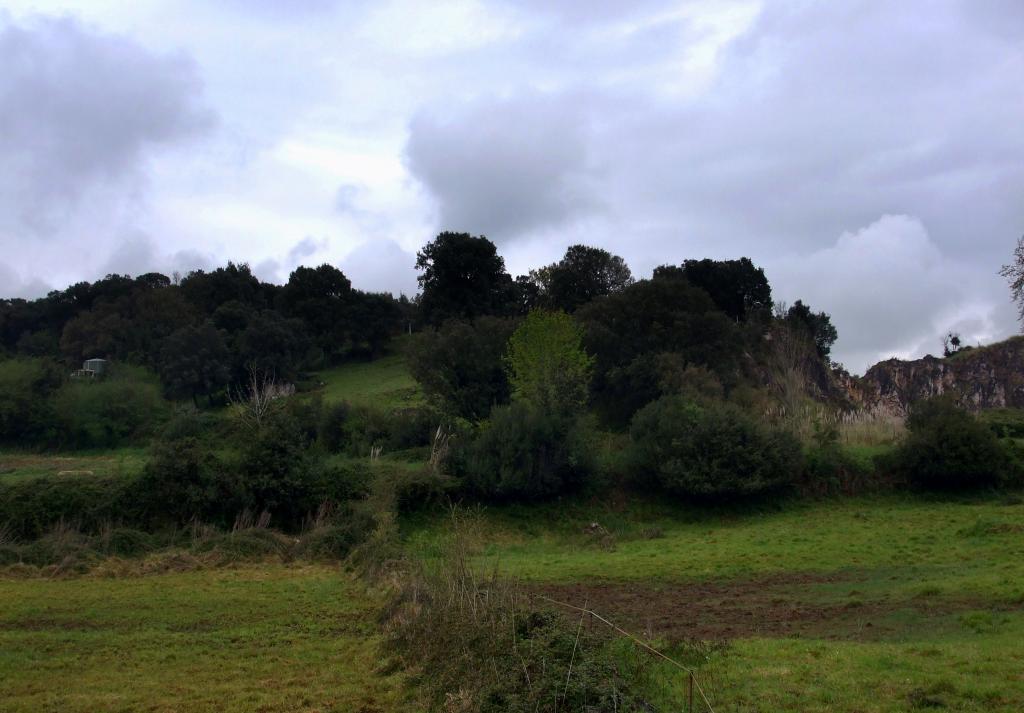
{"points": [[690, 695]]}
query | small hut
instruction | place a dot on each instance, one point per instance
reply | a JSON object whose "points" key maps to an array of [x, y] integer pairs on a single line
{"points": [[91, 369]]}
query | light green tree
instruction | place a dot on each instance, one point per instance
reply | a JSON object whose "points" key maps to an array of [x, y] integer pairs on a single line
{"points": [[548, 366]]}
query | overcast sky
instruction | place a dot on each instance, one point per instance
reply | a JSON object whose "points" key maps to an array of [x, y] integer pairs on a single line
{"points": [[870, 155]]}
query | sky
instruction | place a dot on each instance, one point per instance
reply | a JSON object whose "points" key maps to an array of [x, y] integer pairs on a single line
{"points": [[868, 154]]}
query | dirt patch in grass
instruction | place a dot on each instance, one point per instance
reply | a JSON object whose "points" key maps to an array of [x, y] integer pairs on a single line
{"points": [[775, 606]]}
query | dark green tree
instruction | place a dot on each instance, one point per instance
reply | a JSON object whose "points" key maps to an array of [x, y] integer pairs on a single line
{"points": [[816, 325], [737, 287], [271, 343], [628, 330], [209, 290], [583, 274], [463, 277], [194, 361], [461, 365], [323, 298]]}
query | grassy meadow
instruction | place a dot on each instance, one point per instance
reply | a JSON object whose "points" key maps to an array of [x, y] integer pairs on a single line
{"points": [[15, 465], [383, 383], [259, 637], [864, 604]]}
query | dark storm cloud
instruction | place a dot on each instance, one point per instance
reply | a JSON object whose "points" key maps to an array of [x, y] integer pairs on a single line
{"points": [[503, 166], [79, 112]]}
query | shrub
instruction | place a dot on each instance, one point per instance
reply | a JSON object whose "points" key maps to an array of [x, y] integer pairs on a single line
{"points": [[26, 407], [1004, 422], [30, 507], [336, 538], [948, 449], [411, 428], [711, 452], [123, 408], [412, 488], [278, 471], [184, 480], [123, 542], [828, 468], [245, 544], [522, 453], [338, 480], [367, 428], [189, 422], [332, 431]]}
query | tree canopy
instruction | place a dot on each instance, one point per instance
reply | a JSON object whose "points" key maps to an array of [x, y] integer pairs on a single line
{"points": [[582, 275], [737, 287], [463, 277], [548, 366]]}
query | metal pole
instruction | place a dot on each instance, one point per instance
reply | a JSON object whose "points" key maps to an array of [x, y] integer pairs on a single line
{"points": [[691, 692]]}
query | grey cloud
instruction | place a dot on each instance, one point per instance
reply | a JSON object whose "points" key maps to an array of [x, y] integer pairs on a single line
{"points": [[268, 270], [137, 254], [381, 266], [81, 110], [505, 166], [17, 286], [826, 116], [304, 248], [346, 199]]}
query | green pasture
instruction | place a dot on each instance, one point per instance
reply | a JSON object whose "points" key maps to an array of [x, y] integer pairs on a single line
{"points": [[262, 637], [15, 465], [383, 383]]}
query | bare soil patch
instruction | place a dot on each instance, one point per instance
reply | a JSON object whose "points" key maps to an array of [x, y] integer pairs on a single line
{"points": [[776, 606]]}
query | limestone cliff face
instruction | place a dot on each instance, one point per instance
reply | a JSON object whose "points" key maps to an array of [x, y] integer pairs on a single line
{"points": [[982, 378]]}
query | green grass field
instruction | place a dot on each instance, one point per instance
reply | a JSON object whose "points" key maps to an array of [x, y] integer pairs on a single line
{"points": [[15, 465], [863, 604], [383, 383], [264, 637]]}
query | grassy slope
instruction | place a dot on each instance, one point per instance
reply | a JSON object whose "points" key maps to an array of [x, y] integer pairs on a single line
{"points": [[383, 383], [262, 637], [941, 585]]}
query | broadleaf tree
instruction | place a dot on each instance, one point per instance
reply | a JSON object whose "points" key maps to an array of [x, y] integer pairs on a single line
{"points": [[548, 366]]}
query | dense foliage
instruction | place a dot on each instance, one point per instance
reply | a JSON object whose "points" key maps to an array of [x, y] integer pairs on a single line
{"points": [[202, 333], [581, 276], [548, 366], [711, 452], [737, 287], [949, 449], [629, 332], [461, 365], [523, 453]]}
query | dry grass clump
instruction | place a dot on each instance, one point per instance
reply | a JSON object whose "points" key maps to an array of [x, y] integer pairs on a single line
{"points": [[477, 643], [855, 428]]}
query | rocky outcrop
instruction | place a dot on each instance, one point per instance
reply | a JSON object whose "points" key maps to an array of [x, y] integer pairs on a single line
{"points": [[981, 378]]}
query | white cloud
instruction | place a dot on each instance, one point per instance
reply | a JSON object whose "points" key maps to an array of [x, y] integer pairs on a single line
{"points": [[892, 292]]}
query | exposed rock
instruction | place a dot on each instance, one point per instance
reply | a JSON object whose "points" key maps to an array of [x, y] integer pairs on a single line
{"points": [[981, 378]]}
